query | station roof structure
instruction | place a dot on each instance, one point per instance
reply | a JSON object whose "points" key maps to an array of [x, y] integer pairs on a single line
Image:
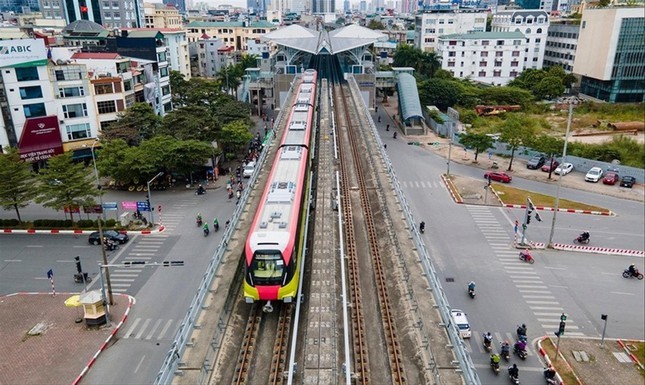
{"points": [[323, 42]]}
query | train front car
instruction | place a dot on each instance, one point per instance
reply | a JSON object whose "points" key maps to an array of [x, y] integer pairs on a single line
{"points": [[272, 270]]}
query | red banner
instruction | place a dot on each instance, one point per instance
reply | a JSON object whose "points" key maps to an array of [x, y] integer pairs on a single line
{"points": [[40, 139]]}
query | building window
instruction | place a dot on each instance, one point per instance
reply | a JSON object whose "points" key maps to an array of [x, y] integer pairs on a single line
{"points": [[129, 100], [106, 125], [31, 92], [34, 110], [70, 92], [513, 74], [498, 64], [500, 42], [497, 73], [514, 64], [482, 74], [161, 57], [102, 89], [452, 54], [539, 30], [528, 31], [483, 64], [106, 107], [68, 73], [163, 72], [452, 42], [537, 40], [484, 53], [165, 90], [451, 64], [26, 74], [485, 42], [77, 131], [499, 53], [441, 21], [75, 110], [127, 85]]}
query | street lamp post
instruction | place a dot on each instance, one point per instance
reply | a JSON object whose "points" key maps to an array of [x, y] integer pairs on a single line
{"points": [[564, 157], [102, 244], [152, 218], [449, 151]]}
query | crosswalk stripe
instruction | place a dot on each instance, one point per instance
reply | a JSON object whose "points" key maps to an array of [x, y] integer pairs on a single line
{"points": [[547, 314], [535, 292], [131, 329], [113, 275], [532, 286], [120, 284], [154, 328], [539, 296], [143, 328], [557, 319], [546, 308], [544, 302], [556, 326], [165, 329]]}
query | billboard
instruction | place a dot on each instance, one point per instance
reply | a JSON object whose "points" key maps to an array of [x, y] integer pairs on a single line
{"points": [[23, 53], [40, 139]]}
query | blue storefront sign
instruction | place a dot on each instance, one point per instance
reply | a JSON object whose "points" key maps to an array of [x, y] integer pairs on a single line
{"points": [[143, 206], [109, 206]]}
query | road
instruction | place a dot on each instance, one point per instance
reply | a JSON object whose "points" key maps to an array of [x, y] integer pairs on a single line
{"points": [[162, 294], [474, 243]]}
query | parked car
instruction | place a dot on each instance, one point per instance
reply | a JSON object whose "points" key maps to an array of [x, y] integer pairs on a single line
{"points": [[536, 162], [594, 174], [498, 176], [564, 169], [610, 178], [550, 166], [112, 235], [248, 170], [628, 181]]}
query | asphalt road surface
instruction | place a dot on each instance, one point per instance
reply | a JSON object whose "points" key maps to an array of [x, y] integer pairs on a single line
{"points": [[474, 243]]}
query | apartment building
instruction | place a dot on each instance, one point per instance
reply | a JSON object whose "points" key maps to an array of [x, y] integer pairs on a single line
{"points": [[429, 26], [493, 58], [161, 16], [610, 58], [108, 13], [233, 34], [561, 44], [204, 57], [534, 24]]}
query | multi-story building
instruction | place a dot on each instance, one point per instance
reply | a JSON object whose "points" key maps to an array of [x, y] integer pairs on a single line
{"points": [[610, 58], [19, 6], [204, 57], [561, 44], [233, 34], [430, 25], [161, 16], [176, 43], [534, 24], [180, 5], [488, 57], [108, 13], [47, 105]]}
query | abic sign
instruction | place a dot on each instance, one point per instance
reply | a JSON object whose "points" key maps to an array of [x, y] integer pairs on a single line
{"points": [[22, 52]]}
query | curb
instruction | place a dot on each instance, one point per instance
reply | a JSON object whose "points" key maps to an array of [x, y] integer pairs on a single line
{"points": [[501, 202], [76, 232], [547, 359], [606, 213], [131, 301], [599, 250], [452, 189], [631, 355]]}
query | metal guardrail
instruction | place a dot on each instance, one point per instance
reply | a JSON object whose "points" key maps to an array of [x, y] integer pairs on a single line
{"points": [[465, 362], [179, 344]]}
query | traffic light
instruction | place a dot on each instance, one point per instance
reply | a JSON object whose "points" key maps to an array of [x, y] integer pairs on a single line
{"points": [[78, 264], [563, 317], [537, 217], [603, 317], [173, 263], [561, 329], [528, 219], [531, 206]]}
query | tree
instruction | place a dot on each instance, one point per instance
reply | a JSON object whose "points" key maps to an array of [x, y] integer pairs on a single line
{"points": [[505, 95], [234, 137], [549, 87], [180, 88], [230, 79], [516, 130], [375, 24], [549, 145], [478, 142], [135, 124], [66, 184], [442, 93], [16, 182], [190, 122]]}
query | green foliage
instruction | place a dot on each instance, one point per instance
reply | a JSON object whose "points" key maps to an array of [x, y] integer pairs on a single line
{"points": [[426, 64], [505, 96], [628, 151], [478, 142], [8, 223], [517, 130], [16, 182], [53, 223], [375, 24], [543, 84], [234, 137], [442, 93], [603, 3], [468, 116], [190, 122], [137, 123], [65, 183]]}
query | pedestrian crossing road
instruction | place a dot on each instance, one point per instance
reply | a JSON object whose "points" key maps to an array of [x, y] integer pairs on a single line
{"points": [[149, 329]]}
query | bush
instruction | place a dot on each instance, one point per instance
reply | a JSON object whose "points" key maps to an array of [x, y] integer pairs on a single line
{"points": [[9, 223], [85, 223], [52, 223], [110, 223]]}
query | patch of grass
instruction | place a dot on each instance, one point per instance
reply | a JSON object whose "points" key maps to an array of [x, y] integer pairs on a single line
{"points": [[515, 196], [639, 353], [562, 368]]}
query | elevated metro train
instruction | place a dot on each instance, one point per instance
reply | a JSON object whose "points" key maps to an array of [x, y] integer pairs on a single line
{"points": [[275, 243]]}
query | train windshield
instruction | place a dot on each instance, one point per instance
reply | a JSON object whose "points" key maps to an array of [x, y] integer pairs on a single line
{"points": [[267, 267]]}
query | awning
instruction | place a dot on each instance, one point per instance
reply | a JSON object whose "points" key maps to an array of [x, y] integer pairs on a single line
{"points": [[80, 144]]}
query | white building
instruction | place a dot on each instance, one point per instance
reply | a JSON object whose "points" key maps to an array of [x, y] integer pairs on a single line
{"points": [[561, 44], [205, 56], [534, 24], [488, 57], [429, 26]]}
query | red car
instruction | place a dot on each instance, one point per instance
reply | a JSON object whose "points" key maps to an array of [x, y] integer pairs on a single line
{"points": [[498, 176], [549, 167], [610, 178]]}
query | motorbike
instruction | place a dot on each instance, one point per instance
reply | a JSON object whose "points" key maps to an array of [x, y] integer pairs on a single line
{"points": [[216, 227], [110, 246], [526, 257], [206, 232], [395, 135], [521, 333], [637, 274], [422, 227], [200, 191], [199, 222], [549, 376], [520, 352], [495, 367], [488, 345], [582, 240], [471, 292], [514, 380], [505, 354]]}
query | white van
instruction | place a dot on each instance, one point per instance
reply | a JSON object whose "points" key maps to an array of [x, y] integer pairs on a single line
{"points": [[460, 319], [248, 170]]}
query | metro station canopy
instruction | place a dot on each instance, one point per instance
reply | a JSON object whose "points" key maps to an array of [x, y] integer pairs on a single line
{"points": [[323, 42]]}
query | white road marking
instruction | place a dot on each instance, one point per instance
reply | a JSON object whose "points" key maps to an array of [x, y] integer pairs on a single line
{"points": [[539, 296], [118, 279], [536, 292], [113, 275], [165, 329], [560, 287], [532, 286], [574, 327], [143, 328], [525, 281], [33, 246], [554, 268], [548, 314], [546, 308], [120, 284], [154, 328], [144, 356], [134, 325], [544, 302], [620, 293], [13, 260]]}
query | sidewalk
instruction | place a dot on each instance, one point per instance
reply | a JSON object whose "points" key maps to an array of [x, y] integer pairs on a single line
{"points": [[63, 351]]}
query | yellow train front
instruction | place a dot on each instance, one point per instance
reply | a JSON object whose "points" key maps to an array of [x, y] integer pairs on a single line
{"points": [[275, 243]]}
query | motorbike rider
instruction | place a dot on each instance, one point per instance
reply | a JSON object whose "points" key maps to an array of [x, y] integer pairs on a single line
{"points": [[200, 190], [505, 347], [488, 339], [206, 231], [395, 134], [422, 226], [471, 286], [584, 236], [526, 254], [513, 371], [549, 373], [520, 345], [632, 270], [494, 359], [199, 218], [521, 330], [215, 224]]}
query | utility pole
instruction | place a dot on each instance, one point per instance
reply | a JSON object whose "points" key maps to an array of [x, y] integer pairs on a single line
{"points": [[564, 158]]}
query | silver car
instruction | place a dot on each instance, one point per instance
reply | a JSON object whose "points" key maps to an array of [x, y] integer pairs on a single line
{"points": [[594, 174]]}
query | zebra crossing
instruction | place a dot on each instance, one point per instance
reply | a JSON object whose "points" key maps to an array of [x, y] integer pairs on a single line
{"points": [[421, 184], [541, 301], [151, 329], [146, 249]]}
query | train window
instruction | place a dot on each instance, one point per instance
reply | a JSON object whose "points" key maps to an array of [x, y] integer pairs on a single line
{"points": [[267, 268]]}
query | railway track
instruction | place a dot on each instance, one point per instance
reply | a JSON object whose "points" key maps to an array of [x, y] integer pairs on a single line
{"points": [[354, 179], [247, 357]]}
